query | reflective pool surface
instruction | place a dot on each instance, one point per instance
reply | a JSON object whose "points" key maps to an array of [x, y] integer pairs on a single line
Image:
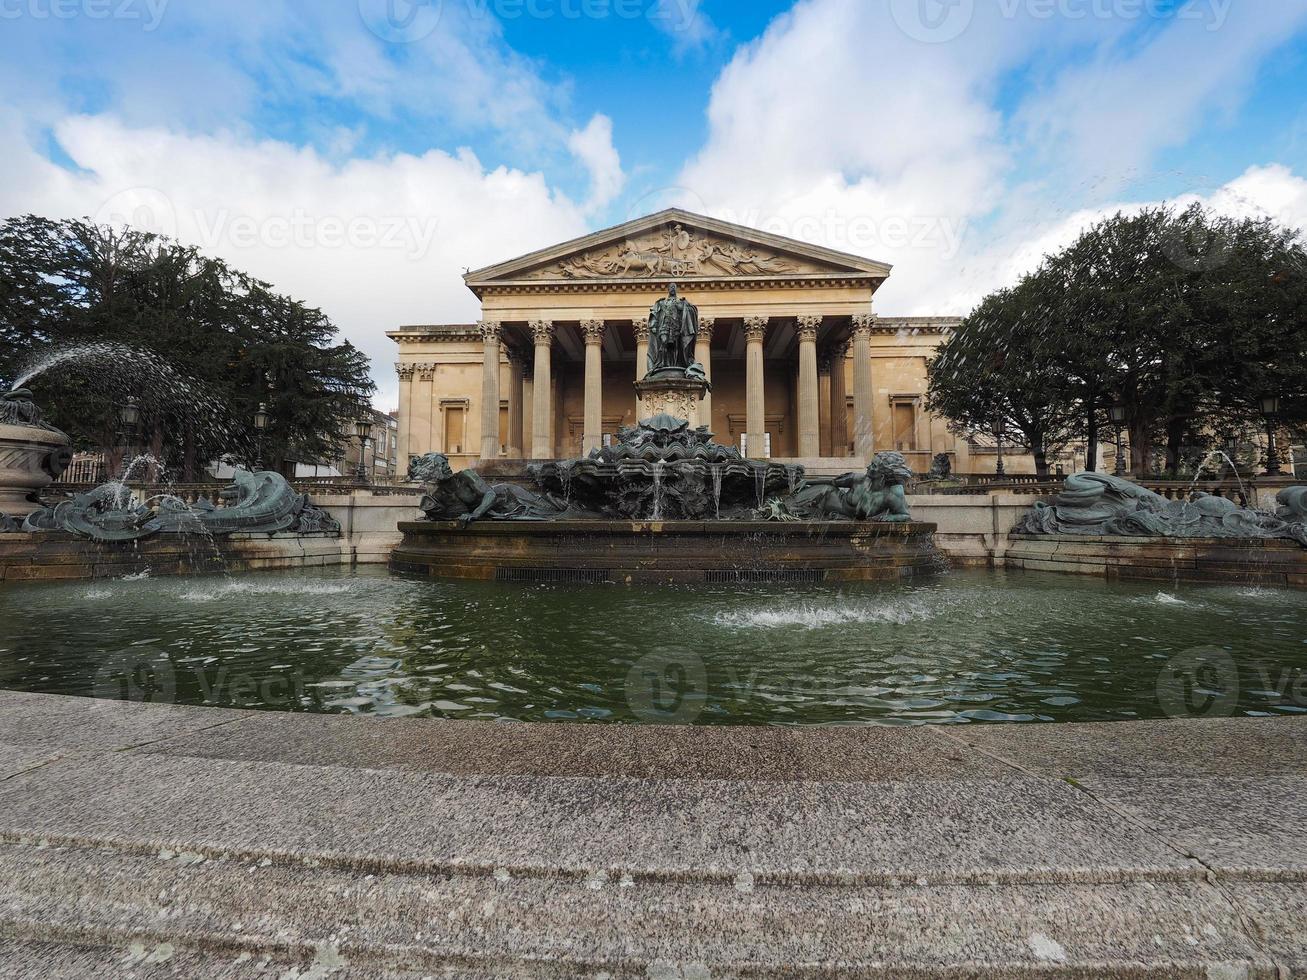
{"points": [[966, 647]]}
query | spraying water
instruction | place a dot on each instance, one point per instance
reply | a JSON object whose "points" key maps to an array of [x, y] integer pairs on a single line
{"points": [[565, 472], [1198, 474], [120, 372], [121, 487], [658, 490]]}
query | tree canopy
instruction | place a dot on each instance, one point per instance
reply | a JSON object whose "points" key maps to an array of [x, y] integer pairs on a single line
{"points": [[1183, 317], [200, 345]]}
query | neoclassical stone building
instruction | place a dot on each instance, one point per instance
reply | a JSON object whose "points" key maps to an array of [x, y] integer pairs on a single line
{"points": [[801, 365]]}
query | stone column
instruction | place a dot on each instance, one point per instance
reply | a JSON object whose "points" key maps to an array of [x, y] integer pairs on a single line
{"points": [[490, 335], [864, 435], [542, 408], [703, 354], [809, 413], [592, 435], [528, 403], [641, 328], [824, 402], [839, 400], [405, 372], [559, 435], [516, 365], [420, 439], [755, 407]]}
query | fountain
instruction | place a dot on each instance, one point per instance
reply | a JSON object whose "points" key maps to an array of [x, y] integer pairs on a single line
{"points": [[1102, 524], [254, 503], [1098, 504], [106, 531], [662, 469], [666, 503], [32, 456]]}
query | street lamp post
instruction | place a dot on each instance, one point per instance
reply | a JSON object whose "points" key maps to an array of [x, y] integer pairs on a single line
{"points": [[261, 427], [1117, 416], [363, 432], [999, 468], [1270, 405], [129, 414]]}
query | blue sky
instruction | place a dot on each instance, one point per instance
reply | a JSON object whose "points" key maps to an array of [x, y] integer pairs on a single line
{"points": [[361, 153]]}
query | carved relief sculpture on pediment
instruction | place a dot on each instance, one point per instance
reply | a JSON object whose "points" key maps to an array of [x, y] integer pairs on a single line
{"points": [[675, 252]]}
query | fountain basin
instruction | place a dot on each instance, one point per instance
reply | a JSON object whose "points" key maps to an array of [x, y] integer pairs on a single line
{"points": [[653, 552], [1118, 557], [26, 465], [52, 556]]}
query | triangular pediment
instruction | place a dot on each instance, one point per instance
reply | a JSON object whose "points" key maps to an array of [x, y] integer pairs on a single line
{"points": [[677, 245]]}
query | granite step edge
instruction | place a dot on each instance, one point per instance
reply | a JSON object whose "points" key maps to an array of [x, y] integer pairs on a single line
{"points": [[165, 960], [128, 845], [225, 913]]}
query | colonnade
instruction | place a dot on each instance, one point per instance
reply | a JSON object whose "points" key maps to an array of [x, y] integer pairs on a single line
{"points": [[821, 388]]}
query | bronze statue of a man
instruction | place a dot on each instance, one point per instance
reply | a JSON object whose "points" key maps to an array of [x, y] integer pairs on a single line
{"points": [[673, 328]]}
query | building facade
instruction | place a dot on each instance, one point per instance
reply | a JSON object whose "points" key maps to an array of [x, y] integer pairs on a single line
{"points": [[380, 457], [801, 365]]}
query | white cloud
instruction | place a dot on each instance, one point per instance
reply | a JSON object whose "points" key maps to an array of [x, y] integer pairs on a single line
{"points": [[593, 146], [1264, 192], [1107, 118], [952, 149], [1272, 191], [286, 65], [684, 21], [375, 242], [835, 123]]}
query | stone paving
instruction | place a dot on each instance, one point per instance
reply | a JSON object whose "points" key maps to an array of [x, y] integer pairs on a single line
{"points": [[156, 841]]}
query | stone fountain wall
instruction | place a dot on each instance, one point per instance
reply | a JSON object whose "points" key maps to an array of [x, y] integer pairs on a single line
{"points": [[663, 552], [369, 532], [57, 556], [1230, 561]]}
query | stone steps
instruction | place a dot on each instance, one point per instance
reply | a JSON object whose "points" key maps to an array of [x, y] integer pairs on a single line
{"points": [[237, 908], [148, 841]]}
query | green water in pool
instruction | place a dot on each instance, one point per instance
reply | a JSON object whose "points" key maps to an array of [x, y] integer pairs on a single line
{"points": [[966, 647]]}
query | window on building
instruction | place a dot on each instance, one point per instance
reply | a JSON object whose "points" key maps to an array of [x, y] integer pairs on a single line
{"points": [[905, 426], [455, 429]]}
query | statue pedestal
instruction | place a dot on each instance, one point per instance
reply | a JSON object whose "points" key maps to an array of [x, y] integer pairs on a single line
{"points": [[676, 395]]}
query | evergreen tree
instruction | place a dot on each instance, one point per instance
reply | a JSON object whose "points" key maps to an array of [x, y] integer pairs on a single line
{"points": [[1184, 318], [198, 344]]}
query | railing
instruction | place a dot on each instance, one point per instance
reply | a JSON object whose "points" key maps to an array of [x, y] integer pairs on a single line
{"points": [[85, 468], [192, 493], [1251, 491], [1006, 479], [1031, 488], [1184, 489]]}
